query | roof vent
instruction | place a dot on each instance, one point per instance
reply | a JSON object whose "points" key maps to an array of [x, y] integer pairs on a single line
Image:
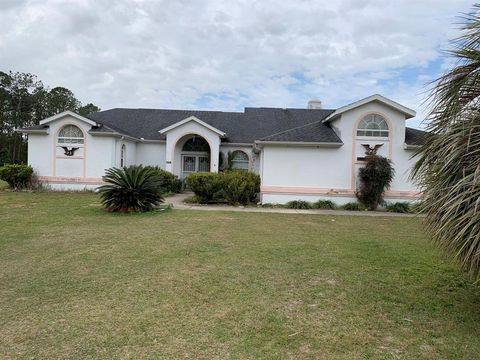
{"points": [[314, 104]]}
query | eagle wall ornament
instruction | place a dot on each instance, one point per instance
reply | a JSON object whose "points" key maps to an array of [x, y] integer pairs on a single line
{"points": [[371, 150], [69, 151]]}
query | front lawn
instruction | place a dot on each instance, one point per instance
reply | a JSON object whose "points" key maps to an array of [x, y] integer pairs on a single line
{"points": [[77, 282]]}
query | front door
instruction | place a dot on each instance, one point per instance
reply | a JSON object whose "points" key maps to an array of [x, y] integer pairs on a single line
{"points": [[194, 163]]}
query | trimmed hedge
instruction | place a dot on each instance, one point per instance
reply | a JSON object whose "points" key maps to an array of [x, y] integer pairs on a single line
{"points": [[240, 187], [205, 185], [234, 187], [18, 176]]}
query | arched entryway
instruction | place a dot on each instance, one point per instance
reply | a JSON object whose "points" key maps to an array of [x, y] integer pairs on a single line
{"points": [[194, 155]]}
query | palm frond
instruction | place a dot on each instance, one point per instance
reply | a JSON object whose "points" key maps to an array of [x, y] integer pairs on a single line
{"points": [[448, 166], [134, 188]]}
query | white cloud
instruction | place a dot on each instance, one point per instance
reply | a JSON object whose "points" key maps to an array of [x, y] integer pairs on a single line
{"points": [[174, 54]]}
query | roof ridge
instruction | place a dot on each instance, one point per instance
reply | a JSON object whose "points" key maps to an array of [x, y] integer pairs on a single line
{"points": [[179, 110]]}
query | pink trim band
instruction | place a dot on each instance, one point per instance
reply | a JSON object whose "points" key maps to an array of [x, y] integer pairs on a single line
{"points": [[71, 180], [305, 190]]}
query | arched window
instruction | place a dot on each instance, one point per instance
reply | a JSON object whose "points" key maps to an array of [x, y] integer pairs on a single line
{"points": [[196, 144], [123, 156], [239, 161], [373, 125], [70, 134]]}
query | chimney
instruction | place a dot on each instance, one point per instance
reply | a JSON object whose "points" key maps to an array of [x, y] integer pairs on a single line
{"points": [[314, 104]]}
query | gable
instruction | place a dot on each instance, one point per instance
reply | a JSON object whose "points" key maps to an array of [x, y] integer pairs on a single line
{"points": [[65, 114], [192, 119], [407, 112]]}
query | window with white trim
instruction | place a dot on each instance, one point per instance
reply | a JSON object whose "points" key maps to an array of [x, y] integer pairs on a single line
{"points": [[373, 125], [239, 161], [123, 156], [70, 134]]}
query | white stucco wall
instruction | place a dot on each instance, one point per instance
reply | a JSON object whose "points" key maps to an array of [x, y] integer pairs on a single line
{"points": [[40, 154], [305, 167], [152, 154]]}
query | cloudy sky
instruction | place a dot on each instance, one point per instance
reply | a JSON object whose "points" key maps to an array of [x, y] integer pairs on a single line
{"points": [[228, 54]]}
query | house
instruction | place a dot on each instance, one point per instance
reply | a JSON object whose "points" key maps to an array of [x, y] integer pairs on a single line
{"points": [[308, 154]]}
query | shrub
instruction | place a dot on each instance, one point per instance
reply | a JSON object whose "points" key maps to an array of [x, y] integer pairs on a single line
{"points": [[3, 185], [205, 185], [169, 182], [240, 187], [191, 200], [399, 207], [133, 188], [177, 186], [273, 206], [18, 176], [375, 177], [353, 206], [325, 204], [299, 204]]}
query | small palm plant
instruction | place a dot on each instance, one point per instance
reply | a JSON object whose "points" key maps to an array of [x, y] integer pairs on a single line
{"points": [[133, 188]]}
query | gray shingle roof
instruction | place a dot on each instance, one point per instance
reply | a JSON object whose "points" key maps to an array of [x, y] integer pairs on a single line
{"points": [[266, 124], [35, 127], [313, 132], [253, 124], [414, 136]]}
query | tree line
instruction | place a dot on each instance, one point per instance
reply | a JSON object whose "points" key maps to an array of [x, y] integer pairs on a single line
{"points": [[24, 101]]}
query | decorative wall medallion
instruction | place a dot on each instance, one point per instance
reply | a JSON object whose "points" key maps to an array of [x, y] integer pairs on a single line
{"points": [[69, 151]]}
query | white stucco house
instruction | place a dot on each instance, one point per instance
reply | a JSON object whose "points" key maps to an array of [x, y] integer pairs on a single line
{"points": [[307, 154]]}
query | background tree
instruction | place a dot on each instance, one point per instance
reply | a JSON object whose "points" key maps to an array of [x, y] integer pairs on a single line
{"points": [[88, 109], [61, 99], [375, 177], [24, 101], [448, 168]]}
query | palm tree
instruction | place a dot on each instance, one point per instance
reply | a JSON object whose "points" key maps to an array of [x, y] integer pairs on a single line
{"points": [[133, 188], [448, 169]]}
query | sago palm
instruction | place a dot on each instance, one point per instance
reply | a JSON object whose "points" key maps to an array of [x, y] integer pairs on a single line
{"points": [[133, 188], [448, 169]]}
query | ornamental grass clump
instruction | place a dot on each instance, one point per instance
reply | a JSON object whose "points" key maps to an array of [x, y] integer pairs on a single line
{"points": [[299, 204], [131, 189], [325, 205]]}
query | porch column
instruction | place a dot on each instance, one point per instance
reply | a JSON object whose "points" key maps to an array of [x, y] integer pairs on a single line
{"points": [[214, 142], [169, 152]]}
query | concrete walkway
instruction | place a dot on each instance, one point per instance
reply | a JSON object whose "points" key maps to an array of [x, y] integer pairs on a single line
{"points": [[176, 201]]}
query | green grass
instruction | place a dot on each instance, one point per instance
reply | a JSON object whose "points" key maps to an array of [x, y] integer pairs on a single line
{"points": [[76, 282]]}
